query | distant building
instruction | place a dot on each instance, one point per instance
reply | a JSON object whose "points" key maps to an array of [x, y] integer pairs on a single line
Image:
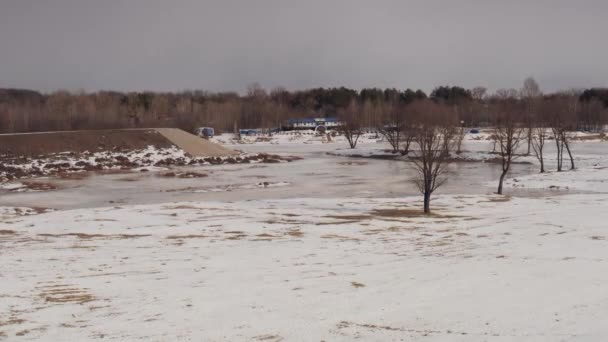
{"points": [[312, 124]]}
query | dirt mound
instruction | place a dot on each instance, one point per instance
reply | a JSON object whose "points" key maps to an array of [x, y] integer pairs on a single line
{"points": [[35, 144], [193, 145], [47, 143]]}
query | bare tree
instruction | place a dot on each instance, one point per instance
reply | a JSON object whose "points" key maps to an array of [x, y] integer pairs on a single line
{"points": [[530, 93], [507, 135], [478, 93], [433, 142], [390, 126], [539, 137], [396, 127], [561, 111], [350, 123], [592, 115]]}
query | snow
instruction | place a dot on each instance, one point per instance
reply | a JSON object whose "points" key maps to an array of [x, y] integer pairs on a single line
{"points": [[353, 265], [292, 137], [587, 179], [148, 159], [365, 152], [12, 186], [483, 268]]}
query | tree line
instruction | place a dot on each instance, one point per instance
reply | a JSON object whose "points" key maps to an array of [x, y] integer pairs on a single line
{"points": [[31, 111]]}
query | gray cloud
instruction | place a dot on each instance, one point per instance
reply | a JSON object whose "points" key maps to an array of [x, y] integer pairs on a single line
{"points": [[227, 44]]}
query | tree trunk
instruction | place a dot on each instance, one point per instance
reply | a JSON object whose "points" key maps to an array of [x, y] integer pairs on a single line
{"points": [[529, 139], [542, 164], [560, 147], [427, 202], [502, 179], [406, 149], [569, 154]]}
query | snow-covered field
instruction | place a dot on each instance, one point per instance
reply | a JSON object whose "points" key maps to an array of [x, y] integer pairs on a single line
{"points": [[480, 269], [315, 268]]}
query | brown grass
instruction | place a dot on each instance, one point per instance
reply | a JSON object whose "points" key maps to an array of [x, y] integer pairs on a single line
{"points": [[295, 233], [336, 223], [496, 199], [235, 235], [290, 215], [408, 213], [66, 294], [349, 217], [12, 321], [266, 235], [191, 236], [268, 337], [339, 237], [183, 206], [85, 236]]}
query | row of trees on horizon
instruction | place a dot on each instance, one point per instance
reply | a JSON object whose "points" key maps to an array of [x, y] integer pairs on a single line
{"points": [[31, 111]]}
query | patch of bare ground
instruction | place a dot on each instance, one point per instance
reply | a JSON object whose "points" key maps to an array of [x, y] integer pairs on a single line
{"points": [[291, 215], [349, 217], [266, 235], [235, 235], [60, 294], [409, 213], [12, 321], [425, 332], [268, 338], [339, 237], [295, 233], [190, 236], [356, 284], [346, 324], [373, 231], [332, 223], [400, 229], [284, 221], [183, 206], [85, 236], [7, 232], [598, 238], [496, 199], [28, 331]]}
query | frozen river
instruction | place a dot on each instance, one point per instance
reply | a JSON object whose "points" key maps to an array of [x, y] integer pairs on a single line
{"points": [[317, 175]]}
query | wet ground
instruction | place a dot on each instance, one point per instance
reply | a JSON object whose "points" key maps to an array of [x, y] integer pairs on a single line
{"points": [[317, 175]]}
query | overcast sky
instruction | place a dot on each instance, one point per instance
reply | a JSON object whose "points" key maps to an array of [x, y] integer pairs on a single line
{"points": [[228, 44]]}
